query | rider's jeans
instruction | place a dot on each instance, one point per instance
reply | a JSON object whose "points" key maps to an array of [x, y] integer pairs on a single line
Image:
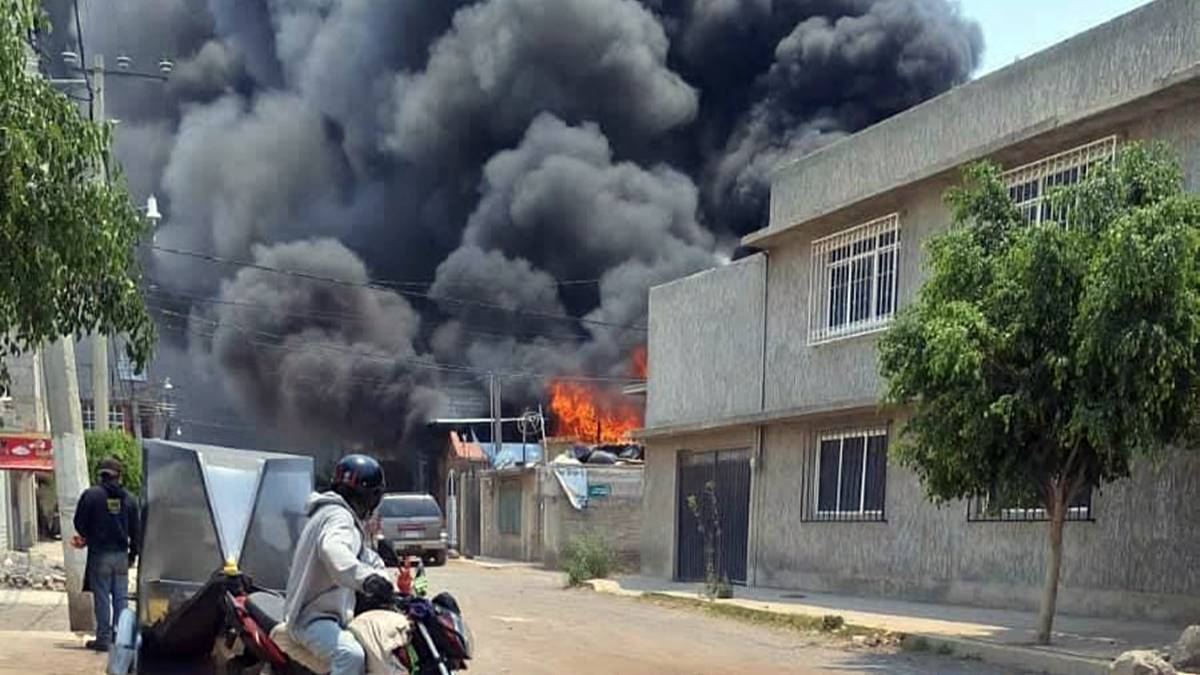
{"points": [[325, 638]]}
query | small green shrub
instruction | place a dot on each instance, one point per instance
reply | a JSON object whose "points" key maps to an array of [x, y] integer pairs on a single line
{"points": [[588, 557], [832, 622], [915, 643], [120, 446]]}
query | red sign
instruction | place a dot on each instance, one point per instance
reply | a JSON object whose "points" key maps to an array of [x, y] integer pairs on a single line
{"points": [[26, 452]]}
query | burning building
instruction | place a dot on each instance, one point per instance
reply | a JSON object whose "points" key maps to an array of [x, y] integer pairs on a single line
{"points": [[371, 204]]}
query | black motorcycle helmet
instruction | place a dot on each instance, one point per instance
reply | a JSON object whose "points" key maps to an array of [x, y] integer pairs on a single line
{"points": [[359, 480]]}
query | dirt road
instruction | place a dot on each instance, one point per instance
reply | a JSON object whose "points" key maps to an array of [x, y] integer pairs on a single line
{"points": [[524, 622]]}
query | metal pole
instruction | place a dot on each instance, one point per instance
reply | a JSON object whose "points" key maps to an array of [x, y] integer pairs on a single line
{"points": [[100, 385], [497, 431], [70, 467]]}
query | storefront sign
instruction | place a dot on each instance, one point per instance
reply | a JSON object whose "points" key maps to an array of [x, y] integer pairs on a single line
{"points": [[26, 452]]}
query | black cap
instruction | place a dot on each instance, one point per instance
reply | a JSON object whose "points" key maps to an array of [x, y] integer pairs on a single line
{"points": [[110, 467]]}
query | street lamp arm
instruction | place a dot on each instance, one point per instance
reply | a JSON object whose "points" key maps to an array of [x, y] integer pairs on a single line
{"points": [[120, 73]]}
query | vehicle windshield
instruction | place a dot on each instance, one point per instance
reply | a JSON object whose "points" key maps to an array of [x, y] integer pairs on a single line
{"points": [[409, 507]]}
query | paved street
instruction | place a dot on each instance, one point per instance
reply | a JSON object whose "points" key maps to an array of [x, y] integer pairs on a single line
{"points": [[33, 632], [524, 622]]}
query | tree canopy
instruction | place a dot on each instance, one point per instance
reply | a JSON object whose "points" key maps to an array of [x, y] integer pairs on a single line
{"points": [[67, 238], [1050, 350], [119, 445], [1038, 360]]}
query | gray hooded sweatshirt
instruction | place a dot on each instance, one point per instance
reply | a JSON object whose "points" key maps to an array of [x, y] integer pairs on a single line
{"points": [[330, 564]]}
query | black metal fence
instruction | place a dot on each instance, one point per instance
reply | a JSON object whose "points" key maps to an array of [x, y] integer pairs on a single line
{"points": [[729, 473]]}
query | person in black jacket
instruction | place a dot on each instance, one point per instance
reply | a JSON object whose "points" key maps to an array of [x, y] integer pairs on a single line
{"points": [[107, 521]]}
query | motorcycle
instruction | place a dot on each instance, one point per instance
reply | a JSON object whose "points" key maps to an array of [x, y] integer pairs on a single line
{"points": [[439, 641]]}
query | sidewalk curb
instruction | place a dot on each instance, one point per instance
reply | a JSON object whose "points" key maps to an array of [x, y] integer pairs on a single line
{"points": [[35, 597], [1018, 656], [489, 564], [1015, 656]]}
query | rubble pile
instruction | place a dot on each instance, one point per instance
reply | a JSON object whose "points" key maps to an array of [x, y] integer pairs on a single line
{"points": [[1181, 657], [27, 570]]}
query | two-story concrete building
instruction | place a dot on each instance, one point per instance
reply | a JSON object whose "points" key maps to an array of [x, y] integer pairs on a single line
{"points": [[764, 376]]}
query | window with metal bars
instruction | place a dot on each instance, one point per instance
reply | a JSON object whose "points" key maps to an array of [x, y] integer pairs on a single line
{"points": [[854, 280], [997, 508], [846, 477], [1031, 185], [116, 418], [89, 415]]}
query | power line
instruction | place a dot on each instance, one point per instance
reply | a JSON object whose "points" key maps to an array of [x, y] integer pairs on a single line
{"points": [[349, 316], [381, 358], [384, 286], [267, 345], [87, 80]]}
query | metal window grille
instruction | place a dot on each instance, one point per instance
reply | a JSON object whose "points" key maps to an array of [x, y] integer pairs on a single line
{"points": [[1030, 186], [845, 478], [854, 279], [89, 415], [991, 509], [116, 418]]}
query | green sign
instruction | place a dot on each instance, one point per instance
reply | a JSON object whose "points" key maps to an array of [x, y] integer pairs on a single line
{"points": [[599, 491]]}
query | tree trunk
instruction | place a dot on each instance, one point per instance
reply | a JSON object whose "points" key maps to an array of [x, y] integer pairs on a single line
{"points": [[1057, 507]]}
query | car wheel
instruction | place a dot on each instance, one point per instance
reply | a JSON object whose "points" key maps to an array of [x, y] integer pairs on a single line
{"points": [[438, 559]]}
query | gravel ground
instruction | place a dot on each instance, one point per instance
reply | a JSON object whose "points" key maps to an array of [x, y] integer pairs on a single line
{"points": [[525, 622], [31, 570]]}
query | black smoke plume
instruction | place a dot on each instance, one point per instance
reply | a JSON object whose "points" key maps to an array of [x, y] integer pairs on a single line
{"points": [[519, 172]]}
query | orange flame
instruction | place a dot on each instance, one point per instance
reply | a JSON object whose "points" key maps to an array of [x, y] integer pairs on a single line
{"points": [[639, 363], [592, 414]]}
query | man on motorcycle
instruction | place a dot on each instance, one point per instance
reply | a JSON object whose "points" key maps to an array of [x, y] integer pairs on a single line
{"points": [[334, 560]]}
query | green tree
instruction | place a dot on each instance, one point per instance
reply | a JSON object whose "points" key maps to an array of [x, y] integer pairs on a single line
{"points": [[1041, 360], [67, 260], [118, 445]]}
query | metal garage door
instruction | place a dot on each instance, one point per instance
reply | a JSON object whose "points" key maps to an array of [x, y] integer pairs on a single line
{"points": [[729, 471]]}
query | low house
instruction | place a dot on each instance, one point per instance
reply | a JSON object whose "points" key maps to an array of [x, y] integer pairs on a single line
{"points": [[765, 379], [532, 513], [25, 453]]}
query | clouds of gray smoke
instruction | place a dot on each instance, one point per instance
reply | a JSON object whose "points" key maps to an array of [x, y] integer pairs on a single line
{"points": [[499, 148], [840, 66], [559, 202], [307, 354], [506, 61]]}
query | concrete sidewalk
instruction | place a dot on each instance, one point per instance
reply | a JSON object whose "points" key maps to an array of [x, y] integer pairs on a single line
{"points": [[1080, 645]]}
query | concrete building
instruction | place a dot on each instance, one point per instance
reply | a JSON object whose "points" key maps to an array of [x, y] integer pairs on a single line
{"points": [[765, 382], [132, 395], [526, 515], [24, 451]]}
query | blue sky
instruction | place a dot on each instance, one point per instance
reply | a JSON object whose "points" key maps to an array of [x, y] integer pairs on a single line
{"points": [[1014, 29]]}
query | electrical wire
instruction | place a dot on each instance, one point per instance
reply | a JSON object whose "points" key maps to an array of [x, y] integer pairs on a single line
{"points": [[382, 358], [87, 80], [383, 286], [345, 316]]}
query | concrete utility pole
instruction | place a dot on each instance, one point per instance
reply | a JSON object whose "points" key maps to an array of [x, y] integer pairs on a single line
{"points": [[100, 384], [70, 467], [497, 429]]}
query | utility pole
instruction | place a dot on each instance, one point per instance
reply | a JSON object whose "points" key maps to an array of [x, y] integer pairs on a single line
{"points": [[70, 467], [100, 384], [497, 431]]}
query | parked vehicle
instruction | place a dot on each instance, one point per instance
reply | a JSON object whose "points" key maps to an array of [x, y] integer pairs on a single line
{"points": [[414, 523]]}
